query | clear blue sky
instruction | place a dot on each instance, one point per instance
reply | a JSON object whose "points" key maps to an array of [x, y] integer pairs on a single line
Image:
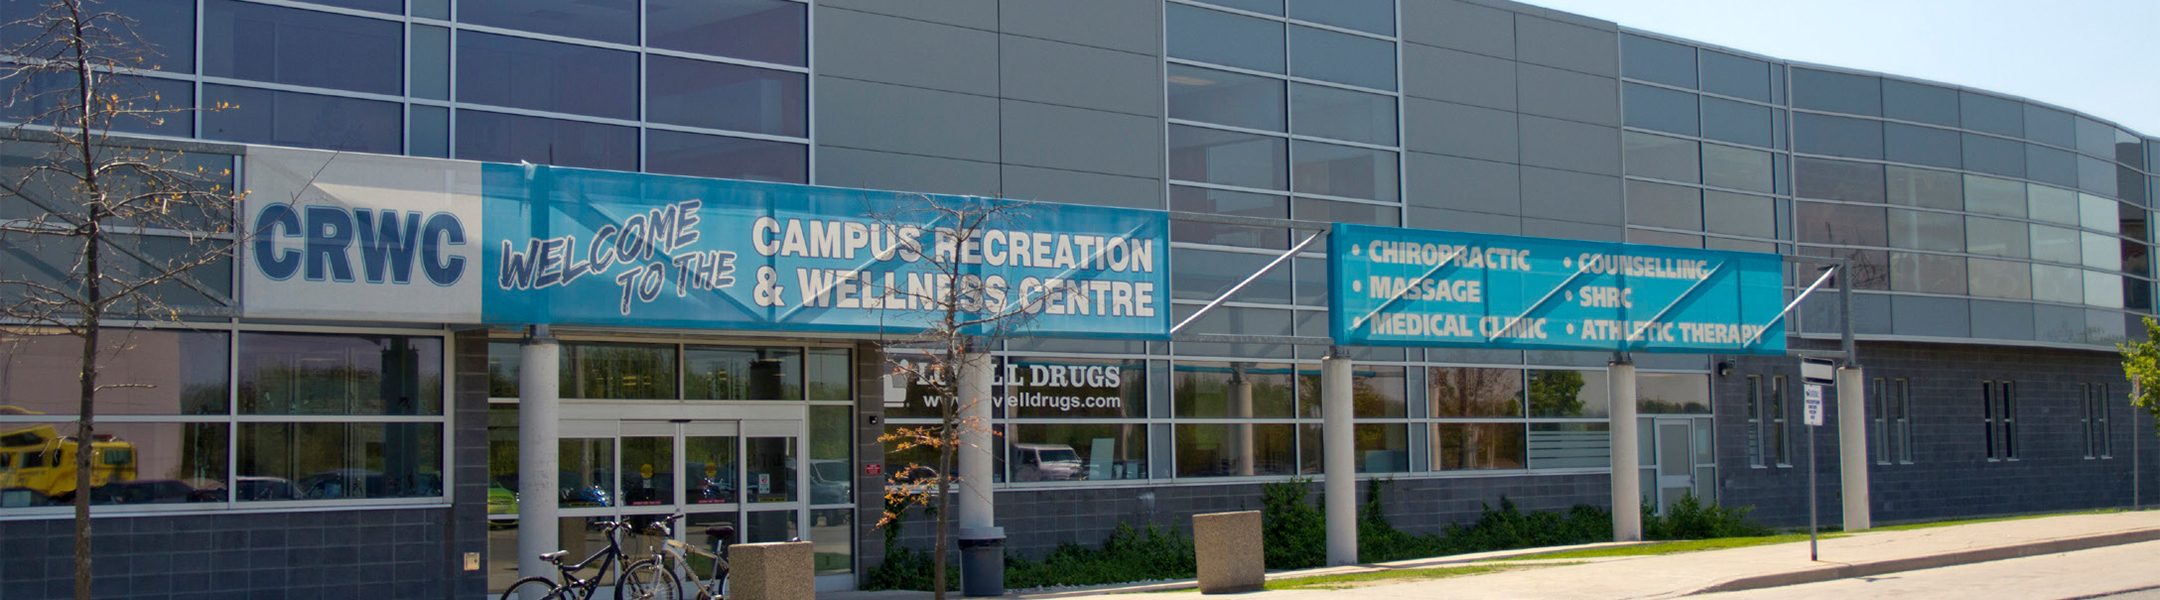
{"points": [[2099, 57]]}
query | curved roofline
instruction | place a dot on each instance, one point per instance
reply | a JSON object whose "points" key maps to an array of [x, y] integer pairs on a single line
{"points": [[1906, 78]]}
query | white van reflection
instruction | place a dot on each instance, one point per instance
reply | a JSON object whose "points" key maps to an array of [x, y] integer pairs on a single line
{"points": [[1047, 462]]}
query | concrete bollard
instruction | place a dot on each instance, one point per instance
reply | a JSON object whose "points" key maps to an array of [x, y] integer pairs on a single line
{"points": [[774, 571], [1229, 552]]}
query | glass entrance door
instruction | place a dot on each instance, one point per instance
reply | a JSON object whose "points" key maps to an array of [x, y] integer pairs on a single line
{"points": [[734, 481], [1677, 460]]}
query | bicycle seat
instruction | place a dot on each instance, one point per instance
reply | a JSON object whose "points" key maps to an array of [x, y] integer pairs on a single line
{"points": [[726, 532], [555, 557]]}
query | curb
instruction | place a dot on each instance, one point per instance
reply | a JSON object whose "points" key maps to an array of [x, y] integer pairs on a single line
{"points": [[1867, 569]]}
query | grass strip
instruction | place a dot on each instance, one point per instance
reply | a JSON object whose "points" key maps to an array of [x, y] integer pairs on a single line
{"points": [[1912, 526], [1345, 581], [1674, 547]]}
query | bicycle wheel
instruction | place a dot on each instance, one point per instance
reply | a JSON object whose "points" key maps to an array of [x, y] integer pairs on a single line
{"points": [[646, 580], [533, 588]]}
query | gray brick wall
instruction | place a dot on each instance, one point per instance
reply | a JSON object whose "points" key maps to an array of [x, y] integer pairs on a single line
{"points": [[357, 554], [1038, 521], [1950, 475]]}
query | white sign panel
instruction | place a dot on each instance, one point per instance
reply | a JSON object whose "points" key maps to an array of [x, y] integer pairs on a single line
{"points": [[361, 237], [1818, 370], [1812, 410]]}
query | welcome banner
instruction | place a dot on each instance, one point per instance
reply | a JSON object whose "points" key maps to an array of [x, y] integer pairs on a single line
{"points": [[360, 237]]}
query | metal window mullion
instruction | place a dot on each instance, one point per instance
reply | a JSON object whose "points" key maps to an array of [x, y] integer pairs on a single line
{"points": [[715, 58], [526, 112], [195, 130], [301, 89], [726, 133]]}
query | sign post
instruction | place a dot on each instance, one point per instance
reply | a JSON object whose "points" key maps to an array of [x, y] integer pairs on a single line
{"points": [[1815, 373]]}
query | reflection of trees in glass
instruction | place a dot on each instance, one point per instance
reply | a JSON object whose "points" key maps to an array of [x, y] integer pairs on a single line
{"points": [[1556, 393], [1672, 394], [1367, 397], [1480, 446], [622, 371], [503, 366], [340, 375], [743, 374], [829, 374], [1208, 390], [502, 432], [1476, 392]]}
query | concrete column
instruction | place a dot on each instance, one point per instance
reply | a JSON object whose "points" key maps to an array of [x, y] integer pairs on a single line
{"points": [[1241, 400], [539, 458], [1852, 417], [1339, 466], [1626, 463], [981, 541]]}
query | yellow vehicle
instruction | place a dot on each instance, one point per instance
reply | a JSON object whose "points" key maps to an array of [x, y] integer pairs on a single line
{"points": [[40, 459]]}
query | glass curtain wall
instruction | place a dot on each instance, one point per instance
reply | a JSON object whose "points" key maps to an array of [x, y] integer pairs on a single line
{"points": [[711, 88], [1964, 214]]}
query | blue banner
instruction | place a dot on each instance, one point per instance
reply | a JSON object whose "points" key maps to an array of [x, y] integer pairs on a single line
{"points": [[583, 247], [1412, 287]]}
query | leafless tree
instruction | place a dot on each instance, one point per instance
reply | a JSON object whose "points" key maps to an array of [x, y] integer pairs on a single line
{"points": [[90, 220], [962, 313]]}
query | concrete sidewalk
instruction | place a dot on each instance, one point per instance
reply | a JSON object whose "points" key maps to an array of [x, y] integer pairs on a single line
{"points": [[1858, 555]]}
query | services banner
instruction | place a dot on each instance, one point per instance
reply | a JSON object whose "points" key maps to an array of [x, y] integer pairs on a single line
{"points": [[1414, 287], [586, 247]]}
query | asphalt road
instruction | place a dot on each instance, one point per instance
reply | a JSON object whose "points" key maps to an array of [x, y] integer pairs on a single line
{"points": [[2114, 572]]}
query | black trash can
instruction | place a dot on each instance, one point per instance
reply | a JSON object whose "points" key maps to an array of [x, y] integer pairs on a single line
{"points": [[982, 567]]}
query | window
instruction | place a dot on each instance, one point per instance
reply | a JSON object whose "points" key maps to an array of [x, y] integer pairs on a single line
{"points": [[302, 47], [1225, 39], [1658, 60], [1837, 92], [1998, 413], [1342, 58], [1893, 426], [772, 31], [1780, 439], [1478, 446], [697, 155], [717, 95], [604, 20], [1373, 16], [1340, 114], [1923, 145], [1229, 158], [1661, 109], [619, 371], [1735, 76], [543, 75], [510, 138], [1737, 122], [1345, 171], [1756, 424], [1662, 157], [1226, 98], [261, 116], [2099, 439], [1837, 136]]}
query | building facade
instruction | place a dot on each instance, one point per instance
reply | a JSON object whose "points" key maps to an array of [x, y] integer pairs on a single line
{"points": [[2000, 248]]}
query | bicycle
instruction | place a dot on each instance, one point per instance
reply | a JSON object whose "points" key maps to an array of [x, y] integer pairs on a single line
{"points": [[673, 551], [641, 579]]}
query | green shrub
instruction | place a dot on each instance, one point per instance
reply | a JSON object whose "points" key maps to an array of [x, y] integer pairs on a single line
{"points": [[1293, 533], [1127, 555], [1690, 519], [909, 569], [1496, 529]]}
